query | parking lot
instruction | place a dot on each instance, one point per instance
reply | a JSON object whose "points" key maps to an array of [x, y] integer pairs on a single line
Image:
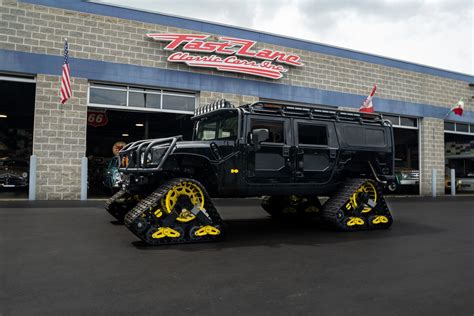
{"points": [[61, 258]]}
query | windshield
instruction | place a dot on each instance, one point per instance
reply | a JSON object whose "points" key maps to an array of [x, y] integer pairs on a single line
{"points": [[13, 163], [217, 128]]}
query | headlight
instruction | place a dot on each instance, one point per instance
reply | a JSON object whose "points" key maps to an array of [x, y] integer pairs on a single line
{"points": [[142, 158], [25, 175], [404, 175]]}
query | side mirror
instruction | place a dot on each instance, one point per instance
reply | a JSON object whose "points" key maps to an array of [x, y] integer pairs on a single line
{"points": [[259, 135]]}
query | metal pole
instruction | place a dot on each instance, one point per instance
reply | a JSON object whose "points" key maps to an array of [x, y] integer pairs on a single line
{"points": [[32, 180], [84, 178], [433, 182], [453, 182]]}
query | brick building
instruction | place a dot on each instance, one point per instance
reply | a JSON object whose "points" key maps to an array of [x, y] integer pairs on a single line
{"points": [[125, 87]]}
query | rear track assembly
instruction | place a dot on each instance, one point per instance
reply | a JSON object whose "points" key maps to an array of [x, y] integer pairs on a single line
{"points": [[357, 205]]}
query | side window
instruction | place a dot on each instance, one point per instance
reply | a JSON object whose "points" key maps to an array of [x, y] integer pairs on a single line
{"points": [[228, 128], [276, 130], [310, 134]]}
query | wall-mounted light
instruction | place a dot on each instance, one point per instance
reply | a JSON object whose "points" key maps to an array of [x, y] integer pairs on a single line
{"points": [[3, 116], [139, 124], [125, 135]]}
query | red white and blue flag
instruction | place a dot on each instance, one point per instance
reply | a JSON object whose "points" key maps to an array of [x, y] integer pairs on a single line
{"points": [[368, 106], [66, 91]]}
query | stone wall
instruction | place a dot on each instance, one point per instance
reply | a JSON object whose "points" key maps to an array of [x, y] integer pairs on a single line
{"points": [[40, 29], [59, 139], [431, 154]]}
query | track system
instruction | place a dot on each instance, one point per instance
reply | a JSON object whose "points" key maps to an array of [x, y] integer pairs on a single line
{"points": [[120, 203], [357, 205], [179, 211], [292, 206]]}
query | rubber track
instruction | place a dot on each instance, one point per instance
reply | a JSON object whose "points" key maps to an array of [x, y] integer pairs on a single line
{"points": [[142, 214], [111, 203], [336, 204]]}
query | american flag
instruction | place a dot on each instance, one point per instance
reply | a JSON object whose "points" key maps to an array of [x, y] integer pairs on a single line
{"points": [[66, 91]]}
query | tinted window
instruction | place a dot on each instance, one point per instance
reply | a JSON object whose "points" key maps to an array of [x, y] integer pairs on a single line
{"points": [[275, 128], [217, 128], [462, 128], [312, 134], [448, 126], [153, 101], [408, 121], [109, 97], [136, 99], [393, 119], [176, 102]]}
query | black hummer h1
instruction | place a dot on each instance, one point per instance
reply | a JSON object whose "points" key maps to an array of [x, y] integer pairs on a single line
{"points": [[289, 154]]}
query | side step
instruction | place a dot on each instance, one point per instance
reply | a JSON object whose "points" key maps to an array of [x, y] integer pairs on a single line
{"points": [[357, 205]]}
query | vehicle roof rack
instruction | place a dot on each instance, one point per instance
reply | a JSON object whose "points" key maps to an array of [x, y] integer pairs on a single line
{"points": [[206, 108], [311, 111]]}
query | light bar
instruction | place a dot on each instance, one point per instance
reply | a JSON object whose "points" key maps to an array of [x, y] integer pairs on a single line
{"points": [[206, 108]]}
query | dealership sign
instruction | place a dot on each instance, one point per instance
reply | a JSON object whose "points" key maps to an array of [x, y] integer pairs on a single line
{"points": [[227, 54]]}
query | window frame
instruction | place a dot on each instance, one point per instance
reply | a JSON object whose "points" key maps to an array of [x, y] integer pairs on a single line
{"points": [[470, 128], [139, 89], [286, 138], [218, 121], [297, 134]]}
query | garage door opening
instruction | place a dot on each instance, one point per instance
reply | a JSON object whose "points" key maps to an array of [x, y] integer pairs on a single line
{"points": [[407, 162], [16, 135], [109, 130], [459, 155]]}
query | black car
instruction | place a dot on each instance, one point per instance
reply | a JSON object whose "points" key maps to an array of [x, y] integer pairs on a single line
{"points": [[13, 173]]}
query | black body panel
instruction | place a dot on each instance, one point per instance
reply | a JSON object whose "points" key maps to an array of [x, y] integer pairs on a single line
{"points": [[303, 151]]}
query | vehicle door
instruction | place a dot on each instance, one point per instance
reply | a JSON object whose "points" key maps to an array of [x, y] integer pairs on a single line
{"points": [[316, 150], [270, 160]]}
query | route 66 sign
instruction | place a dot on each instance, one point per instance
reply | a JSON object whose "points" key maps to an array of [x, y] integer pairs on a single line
{"points": [[97, 118]]}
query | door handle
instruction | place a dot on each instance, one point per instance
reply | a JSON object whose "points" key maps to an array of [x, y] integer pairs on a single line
{"points": [[286, 151]]}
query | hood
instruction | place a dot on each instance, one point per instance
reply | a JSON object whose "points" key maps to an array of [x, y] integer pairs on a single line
{"points": [[13, 170], [201, 148]]}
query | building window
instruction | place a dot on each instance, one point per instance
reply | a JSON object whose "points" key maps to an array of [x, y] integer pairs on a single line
{"points": [[449, 126], [176, 102], [115, 96], [107, 95], [458, 128], [402, 121]]}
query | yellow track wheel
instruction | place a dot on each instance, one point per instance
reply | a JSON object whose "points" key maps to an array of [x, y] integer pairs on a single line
{"points": [[370, 190], [185, 189]]}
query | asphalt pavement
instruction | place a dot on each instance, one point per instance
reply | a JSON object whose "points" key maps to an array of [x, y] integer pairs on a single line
{"points": [[63, 258]]}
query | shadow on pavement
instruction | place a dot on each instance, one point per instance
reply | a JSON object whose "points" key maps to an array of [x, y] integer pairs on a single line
{"points": [[274, 233]]}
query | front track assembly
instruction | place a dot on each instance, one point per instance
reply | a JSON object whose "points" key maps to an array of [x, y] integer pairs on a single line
{"points": [[120, 203], [357, 205], [179, 211]]}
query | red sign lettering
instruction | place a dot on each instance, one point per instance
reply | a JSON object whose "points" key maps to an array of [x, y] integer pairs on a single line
{"points": [[234, 48]]}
